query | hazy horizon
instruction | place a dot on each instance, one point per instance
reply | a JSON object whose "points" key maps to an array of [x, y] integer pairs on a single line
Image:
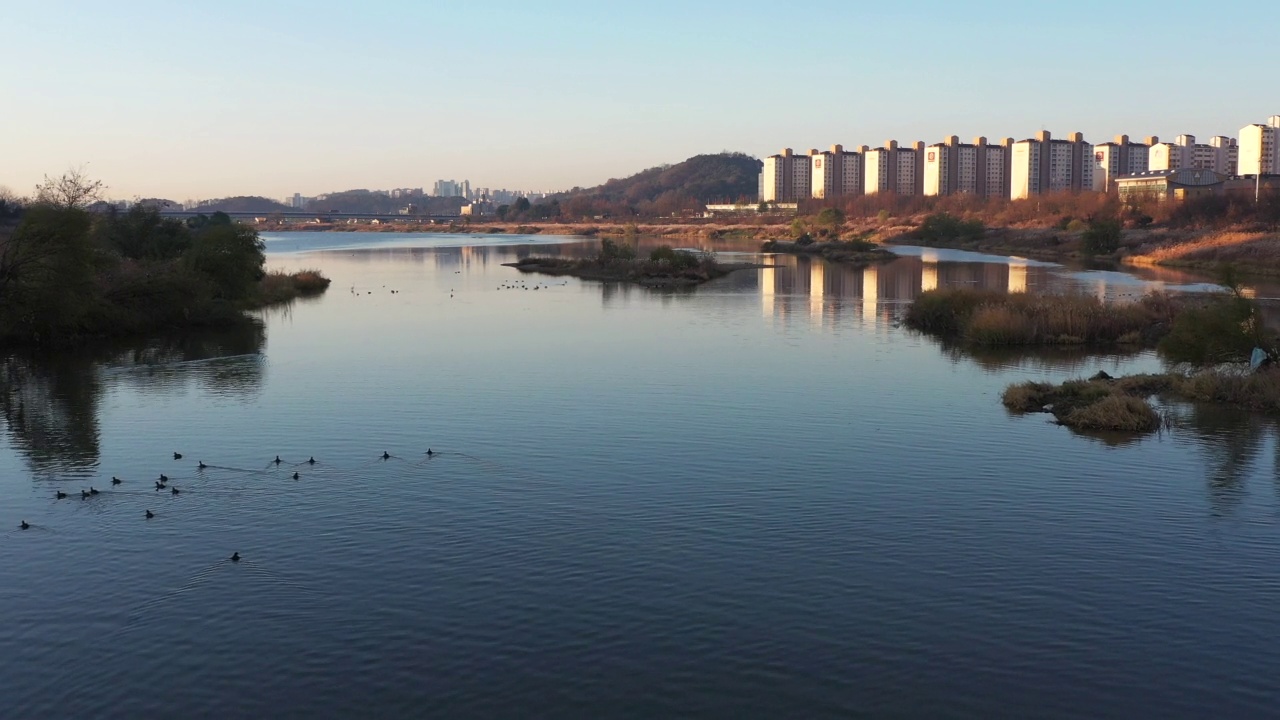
{"points": [[236, 98]]}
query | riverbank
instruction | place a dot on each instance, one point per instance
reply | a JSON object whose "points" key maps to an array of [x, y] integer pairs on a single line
{"points": [[678, 272], [854, 252]]}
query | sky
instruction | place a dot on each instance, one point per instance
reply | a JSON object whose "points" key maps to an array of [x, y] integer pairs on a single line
{"points": [[201, 99]]}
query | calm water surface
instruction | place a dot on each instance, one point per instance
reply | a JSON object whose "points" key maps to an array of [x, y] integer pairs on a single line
{"points": [[759, 498]]}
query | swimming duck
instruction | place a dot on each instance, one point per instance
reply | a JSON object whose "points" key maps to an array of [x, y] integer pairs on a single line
{"points": [[24, 525], [84, 494], [160, 485], [430, 452], [278, 460], [174, 491], [201, 466], [295, 476], [92, 491], [61, 495], [235, 557], [164, 478], [386, 455], [115, 481], [150, 514], [312, 461], [177, 456]]}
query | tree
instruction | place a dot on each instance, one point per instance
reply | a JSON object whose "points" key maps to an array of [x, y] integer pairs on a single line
{"points": [[1102, 236], [828, 222], [72, 190], [943, 227]]}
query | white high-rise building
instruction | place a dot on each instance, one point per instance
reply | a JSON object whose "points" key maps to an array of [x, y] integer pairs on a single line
{"points": [[893, 169], [1218, 155], [952, 167], [1117, 158], [836, 173], [1042, 165], [786, 177], [1260, 148]]}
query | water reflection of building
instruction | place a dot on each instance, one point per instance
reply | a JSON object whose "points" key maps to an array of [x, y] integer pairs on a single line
{"points": [[878, 291]]}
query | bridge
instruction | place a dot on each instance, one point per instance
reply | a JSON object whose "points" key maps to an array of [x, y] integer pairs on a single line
{"points": [[303, 216]]}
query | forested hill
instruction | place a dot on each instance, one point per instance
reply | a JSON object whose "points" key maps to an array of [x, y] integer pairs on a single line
{"points": [[723, 177], [241, 203]]}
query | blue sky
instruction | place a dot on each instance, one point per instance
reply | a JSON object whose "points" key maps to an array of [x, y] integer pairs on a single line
{"points": [[205, 99]]}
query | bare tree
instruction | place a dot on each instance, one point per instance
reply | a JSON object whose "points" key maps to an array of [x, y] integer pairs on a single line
{"points": [[73, 190]]}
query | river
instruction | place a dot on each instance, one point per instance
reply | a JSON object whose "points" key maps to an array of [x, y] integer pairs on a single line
{"points": [[761, 497]]}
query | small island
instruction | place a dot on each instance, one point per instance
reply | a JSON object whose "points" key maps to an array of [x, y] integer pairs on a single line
{"points": [[618, 262]]}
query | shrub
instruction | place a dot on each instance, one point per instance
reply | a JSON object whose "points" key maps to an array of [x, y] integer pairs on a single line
{"points": [[1102, 236], [943, 227], [614, 250], [1224, 329]]}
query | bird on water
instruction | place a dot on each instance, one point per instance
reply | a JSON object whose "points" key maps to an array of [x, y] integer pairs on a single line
{"points": [[175, 491], [295, 476], [235, 557], [61, 495], [160, 485], [177, 456], [164, 478], [24, 525], [278, 460], [202, 466], [312, 461], [386, 455], [430, 452], [115, 480], [84, 494], [92, 491], [150, 514]]}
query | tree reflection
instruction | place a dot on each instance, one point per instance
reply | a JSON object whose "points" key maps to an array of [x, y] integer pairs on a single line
{"points": [[50, 400], [1231, 442]]}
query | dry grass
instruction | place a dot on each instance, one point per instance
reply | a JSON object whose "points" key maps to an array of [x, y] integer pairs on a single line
{"points": [[990, 318], [1117, 413], [1245, 248], [1259, 391], [281, 287]]}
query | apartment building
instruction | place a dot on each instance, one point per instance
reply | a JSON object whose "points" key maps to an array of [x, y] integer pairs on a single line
{"points": [[894, 169], [786, 177], [1116, 159], [1043, 165], [1259, 148], [952, 167], [836, 173], [1220, 154]]}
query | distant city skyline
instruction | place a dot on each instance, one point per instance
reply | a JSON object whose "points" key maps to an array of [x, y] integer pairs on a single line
{"points": [[272, 98]]}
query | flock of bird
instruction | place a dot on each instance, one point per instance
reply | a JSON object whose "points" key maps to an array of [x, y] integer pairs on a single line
{"points": [[162, 483]]}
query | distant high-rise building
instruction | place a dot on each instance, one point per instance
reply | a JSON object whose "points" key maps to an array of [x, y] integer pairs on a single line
{"points": [[835, 173], [1220, 154], [894, 169], [786, 177], [952, 167], [1043, 165], [1118, 158], [297, 201], [1259, 151]]}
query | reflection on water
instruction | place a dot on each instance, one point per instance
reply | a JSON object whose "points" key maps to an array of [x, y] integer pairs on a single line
{"points": [[50, 400], [762, 496]]}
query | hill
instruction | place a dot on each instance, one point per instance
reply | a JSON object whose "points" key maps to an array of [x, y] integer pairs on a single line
{"points": [[702, 179], [242, 203]]}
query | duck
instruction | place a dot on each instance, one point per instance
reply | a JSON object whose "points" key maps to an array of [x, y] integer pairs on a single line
{"points": [[174, 491], [24, 525], [430, 452], [201, 466], [278, 460], [61, 495], [92, 491], [160, 485], [116, 480], [164, 478], [312, 461], [177, 456], [150, 514], [386, 455], [295, 476], [235, 557], [84, 494]]}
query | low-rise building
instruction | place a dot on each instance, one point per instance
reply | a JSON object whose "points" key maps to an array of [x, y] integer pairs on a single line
{"points": [[1177, 184]]}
